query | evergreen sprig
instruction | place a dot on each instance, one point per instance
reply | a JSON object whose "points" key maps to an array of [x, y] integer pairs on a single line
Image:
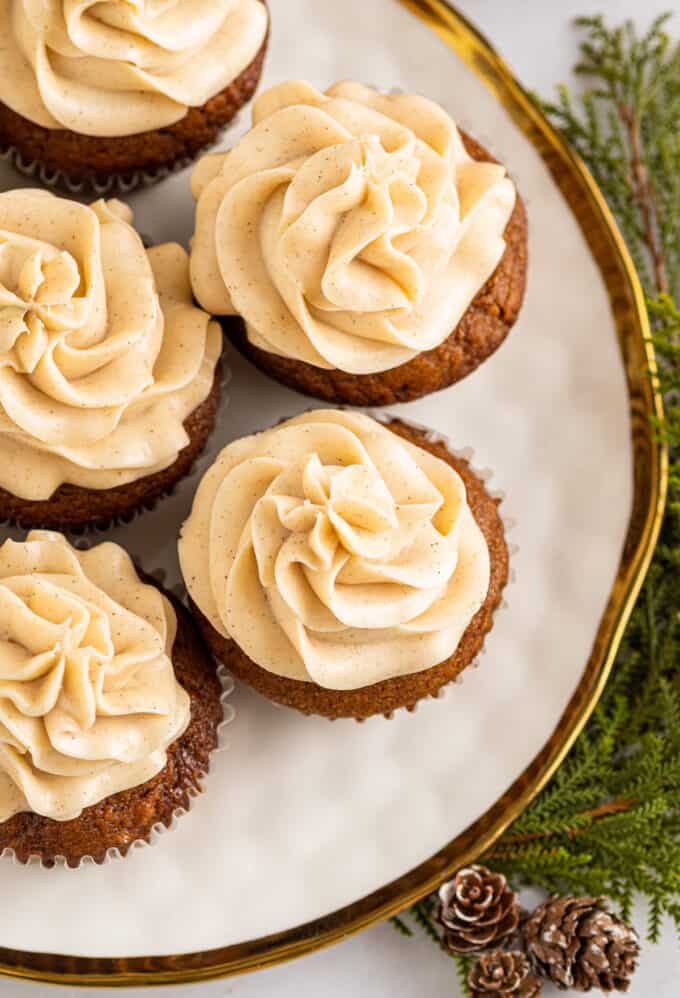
{"points": [[609, 822]]}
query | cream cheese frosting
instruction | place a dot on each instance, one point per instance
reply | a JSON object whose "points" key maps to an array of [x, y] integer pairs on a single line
{"points": [[103, 354], [333, 551], [351, 230], [120, 67], [89, 702]]}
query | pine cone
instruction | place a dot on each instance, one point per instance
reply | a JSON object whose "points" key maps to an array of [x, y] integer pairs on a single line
{"points": [[476, 910], [503, 975], [577, 943]]}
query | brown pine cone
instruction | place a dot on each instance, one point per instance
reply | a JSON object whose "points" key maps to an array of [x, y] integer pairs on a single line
{"points": [[578, 943], [476, 910], [503, 975]]}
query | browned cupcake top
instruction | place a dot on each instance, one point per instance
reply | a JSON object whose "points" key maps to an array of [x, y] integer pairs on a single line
{"points": [[90, 703], [351, 230], [126, 66], [103, 354], [333, 551]]}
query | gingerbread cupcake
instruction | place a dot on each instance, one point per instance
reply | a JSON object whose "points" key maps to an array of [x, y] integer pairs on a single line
{"points": [[342, 566], [123, 90], [109, 377], [110, 703], [367, 251]]}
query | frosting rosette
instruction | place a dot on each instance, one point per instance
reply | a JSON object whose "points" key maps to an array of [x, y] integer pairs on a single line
{"points": [[120, 67], [351, 230], [89, 702], [103, 354], [333, 551]]}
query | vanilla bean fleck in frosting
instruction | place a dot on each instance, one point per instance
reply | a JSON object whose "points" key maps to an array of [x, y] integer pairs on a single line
{"points": [[120, 67], [350, 230], [103, 354], [333, 551], [89, 701]]}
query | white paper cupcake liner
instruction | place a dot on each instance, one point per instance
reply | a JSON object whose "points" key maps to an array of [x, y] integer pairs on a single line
{"points": [[115, 184]]}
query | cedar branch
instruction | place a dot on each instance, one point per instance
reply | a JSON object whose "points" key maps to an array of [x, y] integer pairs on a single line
{"points": [[589, 818], [644, 195]]}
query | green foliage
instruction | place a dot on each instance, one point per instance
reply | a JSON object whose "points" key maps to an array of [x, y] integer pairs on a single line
{"points": [[609, 822], [464, 965], [631, 113], [400, 925]]}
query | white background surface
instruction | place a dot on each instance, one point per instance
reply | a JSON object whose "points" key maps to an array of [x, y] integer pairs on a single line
{"points": [[536, 38]]}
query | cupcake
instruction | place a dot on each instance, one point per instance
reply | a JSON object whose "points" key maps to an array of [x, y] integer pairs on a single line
{"points": [[369, 252], [342, 566], [108, 372], [98, 91], [110, 703]]}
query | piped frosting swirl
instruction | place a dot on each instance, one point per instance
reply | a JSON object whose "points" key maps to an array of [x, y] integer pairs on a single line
{"points": [[350, 230], [333, 551], [121, 67], [103, 354], [89, 702]]}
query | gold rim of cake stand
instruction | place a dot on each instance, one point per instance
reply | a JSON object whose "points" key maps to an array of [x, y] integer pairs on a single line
{"points": [[650, 487]]}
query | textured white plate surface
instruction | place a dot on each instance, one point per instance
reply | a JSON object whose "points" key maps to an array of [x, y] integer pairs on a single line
{"points": [[300, 816]]}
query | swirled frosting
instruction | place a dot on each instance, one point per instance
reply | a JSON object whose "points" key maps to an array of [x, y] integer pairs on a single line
{"points": [[89, 702], [120, 67], [333, 551], [350, 230], [102, 353]]}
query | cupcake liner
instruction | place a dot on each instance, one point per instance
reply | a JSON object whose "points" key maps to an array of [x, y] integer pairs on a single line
{"points": [[159, 829], [115, 184]]}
